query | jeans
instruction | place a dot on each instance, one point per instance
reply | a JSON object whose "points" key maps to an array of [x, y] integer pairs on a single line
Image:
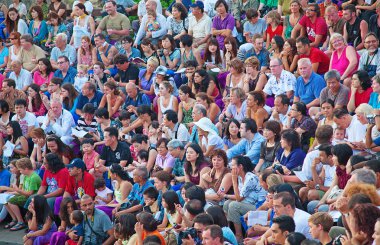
{"points": [[313, 204]]}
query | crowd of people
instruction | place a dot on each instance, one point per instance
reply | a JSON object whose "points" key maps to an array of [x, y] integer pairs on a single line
{"points": [[208, 122]]}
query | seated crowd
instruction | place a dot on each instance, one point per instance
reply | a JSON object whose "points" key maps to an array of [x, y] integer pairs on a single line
{"points": [[215, 122]]}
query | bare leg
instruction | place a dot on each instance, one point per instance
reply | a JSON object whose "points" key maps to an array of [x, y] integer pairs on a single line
{"points": [[16, 211]]}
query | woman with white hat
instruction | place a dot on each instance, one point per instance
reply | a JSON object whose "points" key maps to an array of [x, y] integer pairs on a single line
{"points": [[209, 140]]}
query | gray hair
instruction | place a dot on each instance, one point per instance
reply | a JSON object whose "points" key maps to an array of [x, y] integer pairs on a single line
{"points": [[304, 61], [174, 143], [63, 36], [143, 172], [201, 109], [332, 74], [27, 38], [366, 176]]}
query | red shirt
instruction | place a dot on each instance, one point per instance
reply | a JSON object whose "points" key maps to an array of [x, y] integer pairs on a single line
{"points": [[85, 186], [318, 56], [276, 32], [55, 181], [362, 98], [319, 27]]}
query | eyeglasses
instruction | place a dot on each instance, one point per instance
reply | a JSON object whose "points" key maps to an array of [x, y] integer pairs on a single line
{"points": [[125, 42], [61, 62], [371, 41]]}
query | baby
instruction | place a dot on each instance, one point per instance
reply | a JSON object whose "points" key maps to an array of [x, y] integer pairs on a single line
{"points": [[338, 137], [81, 77], [76, 218], [152, 23]]}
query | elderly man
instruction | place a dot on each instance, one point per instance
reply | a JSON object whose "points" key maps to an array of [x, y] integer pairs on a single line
{"points": [[309, 84], [10, 94], [89, 95], [199, 111], [135, 98], [141, 11], [30, 53], [370, 58], [127, 71], [280, 81], [59, 122], [154, 35], [65, 71], [256, 48], [22, 77], [199, 26], [334, 22], [104, 51], [115, 24], [177, 150], [335, 91], [62, 49], [319, 60]]}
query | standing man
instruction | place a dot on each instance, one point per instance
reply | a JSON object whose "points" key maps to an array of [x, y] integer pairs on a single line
{"points": [[199, 26], [355, 29], [223, 24]]}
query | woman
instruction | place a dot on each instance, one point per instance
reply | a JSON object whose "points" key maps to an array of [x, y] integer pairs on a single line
{"points": [[290, 155], [235, 79], [178, 23], [277, 45], [4, 55], [255, 108], [238, 107], [84, 25], [269, 148], [43, 74], [40, 222], [254, 79], [195, 165], [144, 119], [125, 230], [103, 120], [218, 179], [148, 49], [58, 7], [69, 98], [147, 226], [247, 192], [187, 52], [289, 55], [112, 99], [230, 50], [68, 205], [15, 137], [162, 181], [146, 77], [169, 55], [14, 49], [86, 52], [55, 27], [56, 146], [5, 117], [185, 107], [21, 8], [292, 19], [166, 101], [327, 114], [232, 134], [344, 58], [44, 6], [213, 111], [220, 219], [164, 161], [14, 23], [39, 148], [274, 28], [360, 89], [35, 104], [209, 140], [161, 76], [37, 26], [203, 83], [213, 56]]}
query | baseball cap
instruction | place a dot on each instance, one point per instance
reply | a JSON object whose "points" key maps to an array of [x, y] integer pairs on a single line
{"points": [[161, 70], [78, 163], [198, 4]]}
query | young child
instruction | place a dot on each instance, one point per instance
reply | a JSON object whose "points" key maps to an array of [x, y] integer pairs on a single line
{"points": [[81, 77], [125, 119], [150, 199], [169, 201], [153, 134], [76, 218], [338, 137], [90, 156], [152, 23], [103, 193]]}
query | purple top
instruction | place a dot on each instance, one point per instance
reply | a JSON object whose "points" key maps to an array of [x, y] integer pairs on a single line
{"points": [[219, 24]]}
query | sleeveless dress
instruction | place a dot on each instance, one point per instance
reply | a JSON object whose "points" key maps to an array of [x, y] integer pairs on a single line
{"points": [[80, 31], [341, 63], [187, 118], [289, 27], [169, 107]]}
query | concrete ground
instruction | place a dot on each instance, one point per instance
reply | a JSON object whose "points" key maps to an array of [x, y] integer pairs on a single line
{"points": [[10, 237]]}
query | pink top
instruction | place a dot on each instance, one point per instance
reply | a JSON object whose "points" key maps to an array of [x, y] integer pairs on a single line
{"points": [[85, 59], [39, 111], [89, 159], [341, 64], [39, 79]]}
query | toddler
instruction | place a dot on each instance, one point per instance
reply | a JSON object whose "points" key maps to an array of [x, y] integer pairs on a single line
{"points": [[153, 134], [125, 119], [339, 136], [152, 23], [150, 199], [81, 77], [90, 156], [103, 193], [171, 218], [76, 218]]}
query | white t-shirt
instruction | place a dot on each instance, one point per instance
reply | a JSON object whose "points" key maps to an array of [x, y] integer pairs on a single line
{"points": [[308, 161], [301, 220], [213, 140], [28, 121], [329, 174], [356, 131], [103, 194], [182, 133]]}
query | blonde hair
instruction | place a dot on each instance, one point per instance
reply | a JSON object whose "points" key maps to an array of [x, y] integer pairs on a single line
{"points": [[364, 108], [335, 36], [154, 61], [275, 16], [274, 179], [83, 68], [252, 61]]}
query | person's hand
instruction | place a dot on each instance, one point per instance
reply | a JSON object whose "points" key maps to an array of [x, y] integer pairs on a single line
{"points": [[315, 162], [345, 239], [316, 207], [179, 209], [139, 229], [148, 34], [207, 177], [342, 204], [110, 31], [310, 184], [259, 228], [25, 238], [73, 236], [165, 52], [221, 194], [108, 96], [31, 209], [234, 173], [188, 241], [250, 241], [286, 170]]}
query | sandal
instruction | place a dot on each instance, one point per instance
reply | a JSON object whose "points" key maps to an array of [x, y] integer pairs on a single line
{"points": [[10, 224], [18, 226]]}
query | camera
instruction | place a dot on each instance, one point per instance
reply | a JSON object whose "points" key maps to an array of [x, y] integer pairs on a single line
{"points": [[185, 234], [371, 119], [278, 167], [337, 240]]}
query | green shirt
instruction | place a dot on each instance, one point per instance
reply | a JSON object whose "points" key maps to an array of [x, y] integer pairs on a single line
{"points": [[32, 182]]}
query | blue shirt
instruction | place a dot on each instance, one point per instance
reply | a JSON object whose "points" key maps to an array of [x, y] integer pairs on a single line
{"points": [[374, 100], [263, 56], [40, 34], [4, 53], [69, 52], [135, 52], [5, 178], [294, 159], [82, 100], [249, 149], [70, 75], [137, 192], [141, 99], [311, 90]]}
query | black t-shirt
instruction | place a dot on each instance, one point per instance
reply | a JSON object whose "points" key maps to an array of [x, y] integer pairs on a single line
{"points": [[132, 73], [121, 153]]}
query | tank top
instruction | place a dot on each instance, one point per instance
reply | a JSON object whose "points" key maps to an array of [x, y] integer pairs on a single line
{"points": [[80, 31], [341, 63], [118, 196], [184, 58], [105, 53], [12, 53], [169, 107], [229, 86], [353, 33]]}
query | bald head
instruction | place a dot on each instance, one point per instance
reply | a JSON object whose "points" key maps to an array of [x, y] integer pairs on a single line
{"points": [[131, 90]]}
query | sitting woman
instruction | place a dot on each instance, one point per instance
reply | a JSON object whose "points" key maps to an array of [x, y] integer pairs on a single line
{"points": [[255, 108], [69, 98], [327, 114], [218, 179], [162, 181], [86, 52], [37, 26], [213, 111], [40, 221], [231, 134], [178, 22], [213, 56], [164, 161], [166, 101], [254, 78], [187, 52], [14, 23], [274, 28], [112, 99], [289, 55], [146, 77], [148, 49], [55, 145], [185, 107], [170, 56], [15, 137], [39, 147], [277, 45], [209, 140], [203, 83], [35, 104], [236, 77], [195, 165], [55, 27], [43, 74], [360, 89], [230, 51]]}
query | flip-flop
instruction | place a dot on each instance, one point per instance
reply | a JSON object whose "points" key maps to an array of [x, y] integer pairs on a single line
{"points": [[18, 226], [11, 224]]}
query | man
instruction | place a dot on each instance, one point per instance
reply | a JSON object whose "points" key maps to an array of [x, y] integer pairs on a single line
{"points": [[173, 129], [30, 53], [250, 143], [309, 84], [104, 51], [199, 26], [141, 11], [192, 208], [257, 50], [222, 24], [281, 109], [62, 48], [312, 26], [59, 121], [213, 235], [135, 200], [320, 225], [115, 24], [65, 71], [154, 35], [97, 225], [280, 81], [355, 29], [370, 58], [334, 90], [373, 25], [26, 119], [10, 94], [127, 71], [89, 95], [201, 221], [319, 60], [141, 142], [199, 111], [135, 98], [22, 77], [281, 227], [334, 22], [177, 150], [253, 25], [374, 165], [241, 8]]}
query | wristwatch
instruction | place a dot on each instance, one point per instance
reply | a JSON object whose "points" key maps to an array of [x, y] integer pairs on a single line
{"points": [[317, 187]]}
